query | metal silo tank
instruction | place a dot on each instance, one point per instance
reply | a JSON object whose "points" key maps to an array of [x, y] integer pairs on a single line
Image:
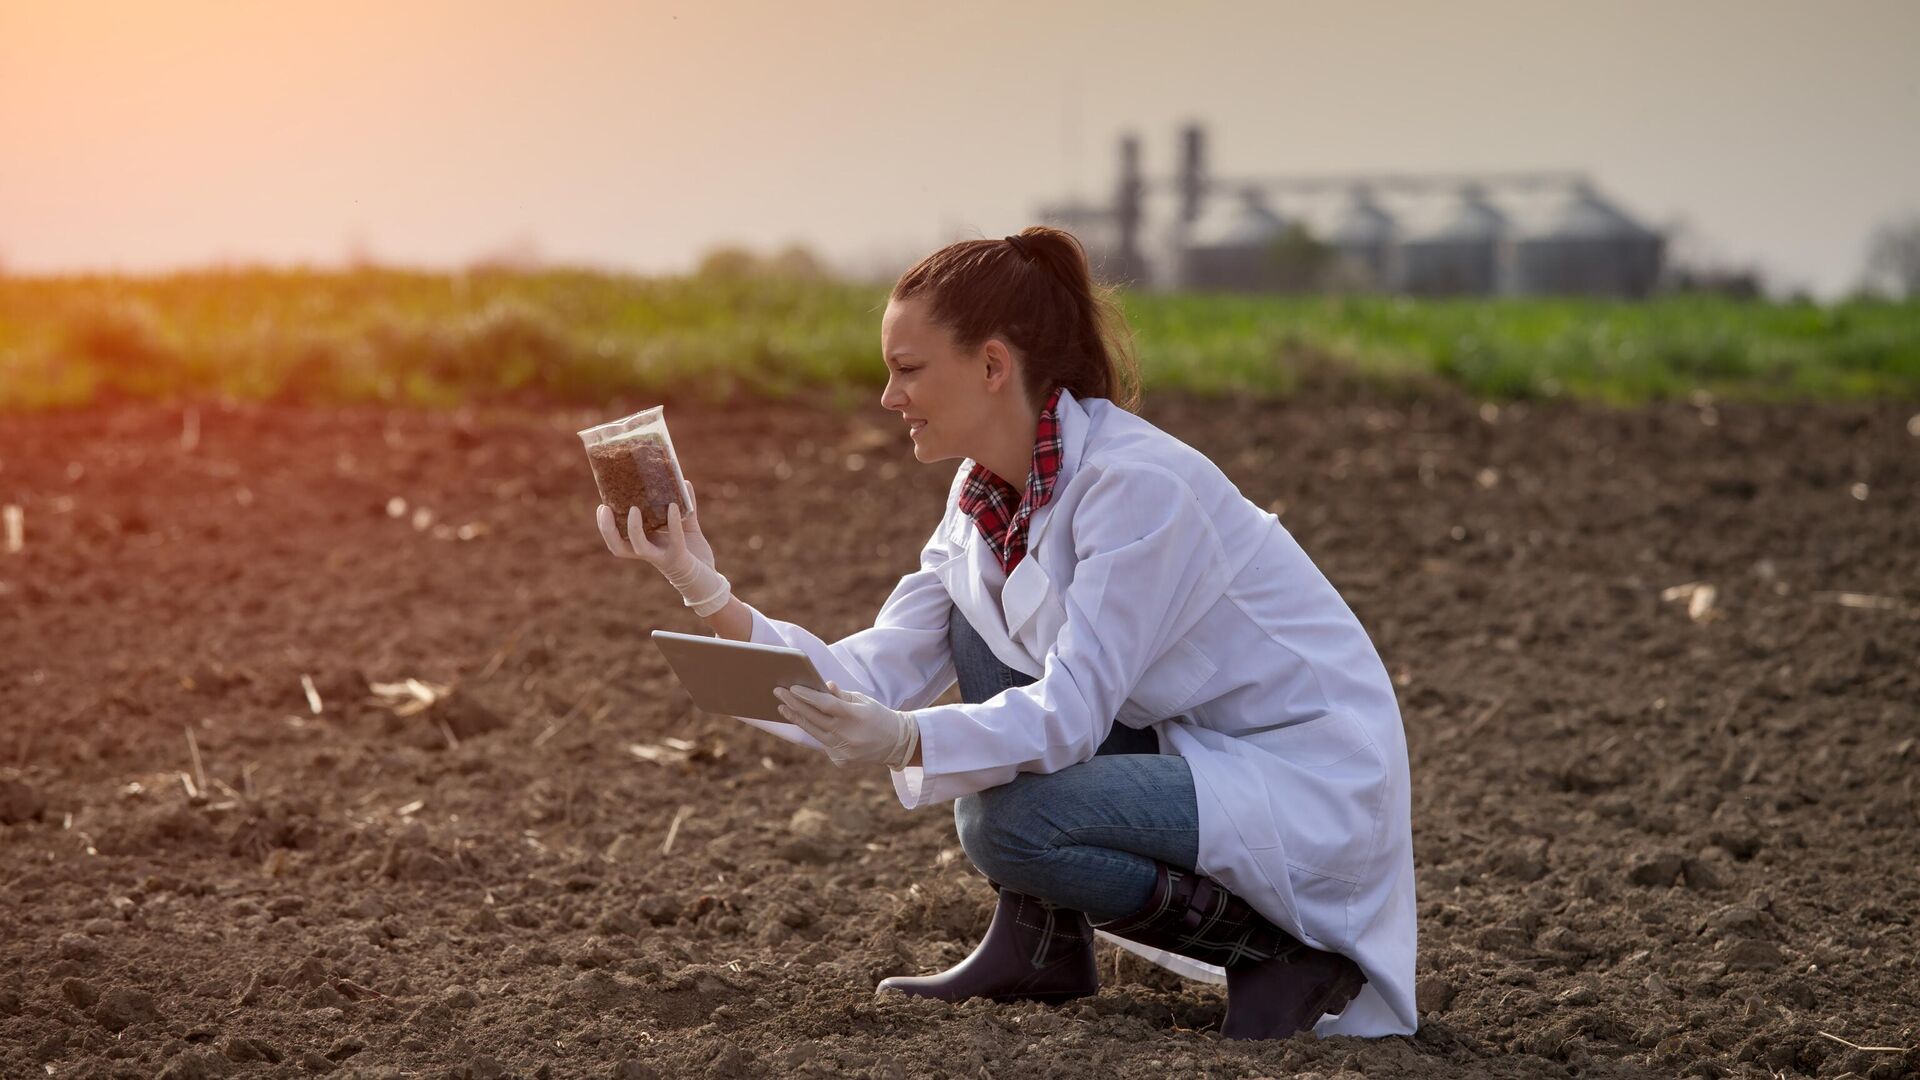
{"points": [[1587, 247], [1459, 256], [1229, 245], [1363, 234]]}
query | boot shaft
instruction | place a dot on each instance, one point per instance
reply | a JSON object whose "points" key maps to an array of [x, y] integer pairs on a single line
{"points": [[1032, 950], [1190, 914], [1277, 985]]}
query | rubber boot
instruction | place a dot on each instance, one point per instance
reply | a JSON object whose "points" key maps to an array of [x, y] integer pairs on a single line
{"points": [[1276, 997], [1276, 985], [1033, 951]]}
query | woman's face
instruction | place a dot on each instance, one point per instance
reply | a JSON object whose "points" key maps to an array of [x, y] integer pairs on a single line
{"points": [[947, 395]]}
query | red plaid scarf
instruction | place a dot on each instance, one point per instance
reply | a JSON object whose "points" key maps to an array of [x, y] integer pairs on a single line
{"points": [[998, 508]]}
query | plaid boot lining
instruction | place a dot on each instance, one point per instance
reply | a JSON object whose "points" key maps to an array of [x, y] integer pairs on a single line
{"points": [[1214, 926]]}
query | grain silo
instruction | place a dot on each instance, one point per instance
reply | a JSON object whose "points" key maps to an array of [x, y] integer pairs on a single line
{"points": [[1584, 246], [1242, 245], [1477, 234], [1460, 254], [1362, 234]]}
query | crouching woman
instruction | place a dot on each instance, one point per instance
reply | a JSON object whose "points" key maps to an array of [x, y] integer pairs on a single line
{"points": [[1172, 729]]}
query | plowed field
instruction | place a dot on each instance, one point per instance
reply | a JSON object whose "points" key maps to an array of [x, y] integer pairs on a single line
{"points": [[1660, 830]]}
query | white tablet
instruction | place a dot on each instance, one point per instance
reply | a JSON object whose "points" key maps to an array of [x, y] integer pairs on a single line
{"points": [[737, 678]]}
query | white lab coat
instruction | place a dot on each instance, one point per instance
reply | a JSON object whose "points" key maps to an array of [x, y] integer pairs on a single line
{"points": [[1154, 594]]}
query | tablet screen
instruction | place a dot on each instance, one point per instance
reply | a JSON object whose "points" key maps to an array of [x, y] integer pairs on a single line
{"points": [[737, 678]]}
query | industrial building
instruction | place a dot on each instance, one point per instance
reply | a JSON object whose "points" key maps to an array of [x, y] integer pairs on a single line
{"points": [[1498, 234]]}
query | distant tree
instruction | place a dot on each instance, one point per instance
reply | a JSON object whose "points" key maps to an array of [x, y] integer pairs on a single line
{"points": [[520, 255], [729, 261], [1893, 257], [1297, 261], [798, 261], [1737, 282], [360, 254], [1696, 265]]}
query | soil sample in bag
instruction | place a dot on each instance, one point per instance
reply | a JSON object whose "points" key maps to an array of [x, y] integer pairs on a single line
{"points": [[637, 470]]}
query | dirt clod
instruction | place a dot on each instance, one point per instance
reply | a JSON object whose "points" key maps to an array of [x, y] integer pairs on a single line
{"points": [[124, 1006], [79, 992], [1754, 956], [20, 801], [310, 971], [78, 947], [243, 1049], [1657, 870], [1433, 994], [195, 1065], [484, 1068], [322, 997]]}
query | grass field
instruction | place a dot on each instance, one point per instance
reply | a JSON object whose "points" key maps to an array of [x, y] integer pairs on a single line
{"points": [[443, 338]]}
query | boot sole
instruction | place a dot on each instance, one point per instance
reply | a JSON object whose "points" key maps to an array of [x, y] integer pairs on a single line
{"points": [[1341, 993], [1057, 997], [1051, 997]]}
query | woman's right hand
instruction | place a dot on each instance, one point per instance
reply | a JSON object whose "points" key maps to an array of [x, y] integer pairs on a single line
{"points": [[661, 556], [703, 588]]}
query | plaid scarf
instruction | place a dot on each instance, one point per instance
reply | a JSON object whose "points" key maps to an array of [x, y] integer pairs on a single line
{"points": [[999, 509]]}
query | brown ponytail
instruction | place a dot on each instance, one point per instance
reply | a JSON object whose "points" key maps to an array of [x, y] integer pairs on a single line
{"points": [[1037, 294]]}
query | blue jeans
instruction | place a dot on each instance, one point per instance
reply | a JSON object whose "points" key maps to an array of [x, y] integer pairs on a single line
{"points": [[1086, 837]]}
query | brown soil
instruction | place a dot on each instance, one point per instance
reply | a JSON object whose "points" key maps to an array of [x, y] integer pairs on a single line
{"points": [[635, 471], [1648, 843]]}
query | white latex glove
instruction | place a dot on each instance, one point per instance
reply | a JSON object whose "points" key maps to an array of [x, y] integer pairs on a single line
{"points": [[685, 559], [690, 524], [854, 728]]}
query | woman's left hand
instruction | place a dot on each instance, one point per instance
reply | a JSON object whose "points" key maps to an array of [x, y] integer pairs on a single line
{"points": [[854, 728]]}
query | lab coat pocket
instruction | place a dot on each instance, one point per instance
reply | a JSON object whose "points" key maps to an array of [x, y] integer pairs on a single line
{"points": [[1042, 628], [934, 560], [961, 530], [1027, 590], [1171, 681], [1317, 743], [1326, 797]]}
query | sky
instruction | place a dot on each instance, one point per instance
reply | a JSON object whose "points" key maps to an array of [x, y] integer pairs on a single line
{"points": [[142, 136]]}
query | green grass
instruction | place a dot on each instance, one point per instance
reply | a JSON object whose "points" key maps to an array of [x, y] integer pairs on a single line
{"points": [[437, 338]]}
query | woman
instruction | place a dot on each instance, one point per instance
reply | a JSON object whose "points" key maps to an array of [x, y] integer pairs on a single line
{"points": [[1173, 731]]}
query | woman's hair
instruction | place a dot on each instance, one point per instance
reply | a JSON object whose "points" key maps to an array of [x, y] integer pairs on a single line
{"points": [[1034, 291]]}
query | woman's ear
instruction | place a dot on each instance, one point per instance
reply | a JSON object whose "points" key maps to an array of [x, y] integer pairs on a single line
{"points": [[998, 361]]}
